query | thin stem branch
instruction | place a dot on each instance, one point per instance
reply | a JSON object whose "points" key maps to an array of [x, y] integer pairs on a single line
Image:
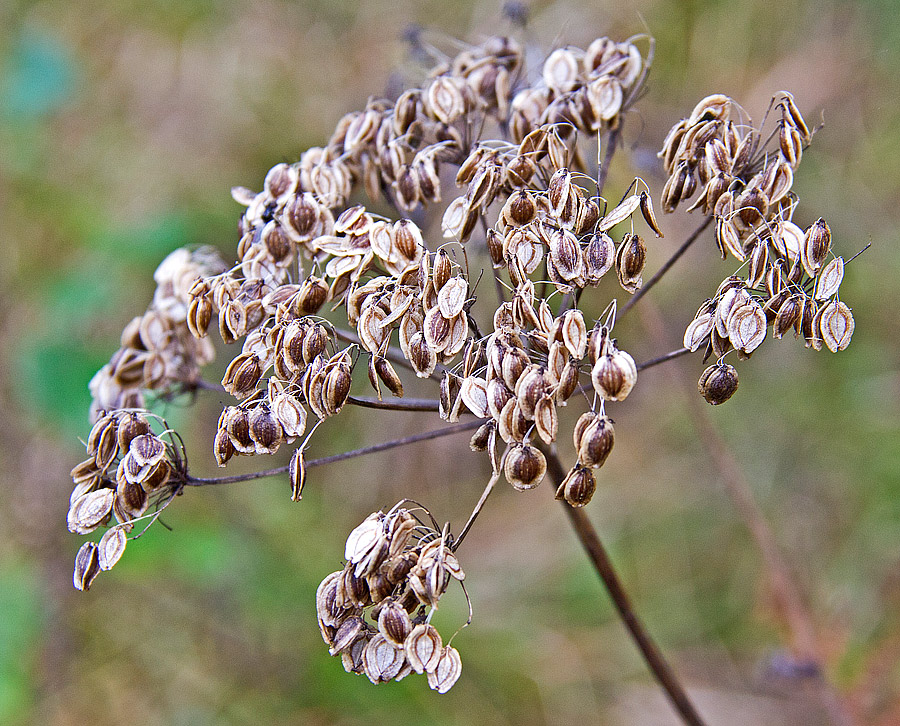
{"points": [[658, 665], [671, 355], [477, 510], [194, 481], [402, 404], [665, 268], [612, 141]]}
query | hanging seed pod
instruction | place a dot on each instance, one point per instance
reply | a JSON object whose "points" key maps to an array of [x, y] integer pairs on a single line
{"points": [[388, 375], [525, 466], [788, 315], [578, 487], [836, 324], [816, 246], [446, 671], [599, 256], [423, 647], [481, 439], [830, 278], [394, 623], [382, 660], [223, 449], [614, 375], [265, 431], [596, 441], [350, 631], [630, 259], [718, 383], [747, 326], [87, 566], [297, 475], [111, 547], [546, 419]]}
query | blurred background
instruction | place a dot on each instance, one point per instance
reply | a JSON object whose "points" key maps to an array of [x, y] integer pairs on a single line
{"points": [[123, 126]]}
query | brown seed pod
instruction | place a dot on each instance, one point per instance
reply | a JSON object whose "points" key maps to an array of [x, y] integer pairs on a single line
{"points": [[614, 375], [578, 487], [525, 466], [596, 440], [718, 383]]}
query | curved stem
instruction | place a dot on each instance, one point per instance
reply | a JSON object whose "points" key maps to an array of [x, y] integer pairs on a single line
{"points": [[651, 653], [665, 268], [194, 481]]}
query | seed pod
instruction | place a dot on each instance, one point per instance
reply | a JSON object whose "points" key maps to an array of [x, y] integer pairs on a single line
{"points": [[297, 474], [574, 333], [747, 327], [423, 647], [836, 324], [473, 392], [242, 375], [350, 631], [718, 383], [446, 671], [289, 413], [327, 609], [565, 253], [830, 278], [614, 375], [363, 538], [265, 431], [578, 487], [336, 388], [816, 246], [530, 387], [353, 591], [388, 376], [394, 623], [87, 566], [599, 256], [630, 259], [382, 660], [546, 420], [596, 441], [223, 449], [312, 296], [788, 315], [131, 501], [568, 382], [525, 466], [698, 331], [88, 511], [111, 547], [422, 356], [481, 439]]}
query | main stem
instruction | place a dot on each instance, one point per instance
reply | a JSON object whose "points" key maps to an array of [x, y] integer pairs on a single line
{"points": [[651, 653]]}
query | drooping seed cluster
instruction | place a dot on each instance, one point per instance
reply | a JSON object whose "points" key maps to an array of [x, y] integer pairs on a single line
{"points": [[128, 468], [375, 612], [789, 283], [157, 349]]}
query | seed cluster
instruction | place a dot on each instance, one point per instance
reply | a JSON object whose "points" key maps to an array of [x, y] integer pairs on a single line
{"points": [[789, 283], [396, 571], [128, 468], [324, 280]]}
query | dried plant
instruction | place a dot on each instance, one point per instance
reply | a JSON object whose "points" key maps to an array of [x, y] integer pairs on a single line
{"points": [[326, 290]]}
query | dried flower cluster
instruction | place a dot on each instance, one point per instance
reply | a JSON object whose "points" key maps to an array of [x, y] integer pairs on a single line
{"points": [[321, 283], [789, 282], [396, 571]]}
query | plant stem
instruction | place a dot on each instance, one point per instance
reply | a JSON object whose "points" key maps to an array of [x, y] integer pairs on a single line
{"points": [[194, 481], [651, 653], [665, 268], [403, 404]]}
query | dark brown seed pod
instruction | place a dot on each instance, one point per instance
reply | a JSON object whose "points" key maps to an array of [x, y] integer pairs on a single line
{"points": [[718, 383], [596, 442], [525, 466], [481, 439], [578, 487]]}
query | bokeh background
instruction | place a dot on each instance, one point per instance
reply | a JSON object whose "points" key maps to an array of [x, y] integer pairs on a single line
{"points": [[122, 127]]}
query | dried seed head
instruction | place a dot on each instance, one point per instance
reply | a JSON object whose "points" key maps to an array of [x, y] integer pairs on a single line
{"points": [[382, 660], [546, 419], [614, 375], [718, 383], [525, 466], [578, 487]]}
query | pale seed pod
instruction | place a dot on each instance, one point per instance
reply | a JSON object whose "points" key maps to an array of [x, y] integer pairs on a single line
{"points": [[620, 213], [513, 363], [382, 660], [157, 476], [289, 413], [423, 647], [697, 333], [759, 260], [566, 254], [747, 327], [327, 609], [363, 538], [497, 396], [546, 420], [578, 487], [452, 296], [87, 566], [605, 97], [561, 70], [111, 547], [525, 466], [790, 114], [836, 325], [352, 657], [297, 475], [574, 333], [88, 511], [445, 99], [199, 316], [473, 392], [614, 375], [830, 278], [596, 441], [422, 356], [718, 383], [446, 671]]}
